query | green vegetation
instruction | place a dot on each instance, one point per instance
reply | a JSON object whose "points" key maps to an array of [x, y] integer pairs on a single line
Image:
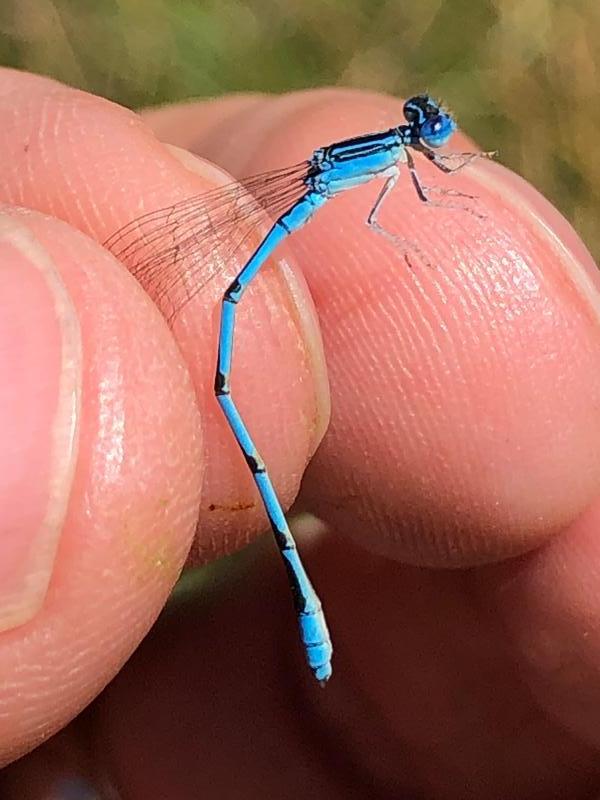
{"points": [[521, 75]]}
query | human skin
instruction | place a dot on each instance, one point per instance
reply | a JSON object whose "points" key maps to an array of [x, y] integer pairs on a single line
{"points": [[464, 433]]}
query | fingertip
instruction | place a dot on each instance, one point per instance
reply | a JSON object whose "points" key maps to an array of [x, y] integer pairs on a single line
{"points": [[464, 425], [113, 456], [97, 166]]}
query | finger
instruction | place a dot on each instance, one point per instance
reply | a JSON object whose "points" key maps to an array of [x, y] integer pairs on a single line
{"points": [[550, 608], [97, 166], [465, 389], [100, 474], [425, 699]]}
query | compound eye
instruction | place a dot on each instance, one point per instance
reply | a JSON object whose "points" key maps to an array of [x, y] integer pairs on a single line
{"points": [[435, 132]]}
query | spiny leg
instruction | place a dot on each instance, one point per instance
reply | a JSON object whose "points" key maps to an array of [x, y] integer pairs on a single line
{"points": [[313, 628], [440, 159], [424, 192], [398, 241]]}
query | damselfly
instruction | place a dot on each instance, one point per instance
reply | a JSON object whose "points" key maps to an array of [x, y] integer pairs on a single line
{"points": [[156, 245]]}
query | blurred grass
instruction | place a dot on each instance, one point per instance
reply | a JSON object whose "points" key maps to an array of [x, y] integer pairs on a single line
{"points": [[521, 75]]}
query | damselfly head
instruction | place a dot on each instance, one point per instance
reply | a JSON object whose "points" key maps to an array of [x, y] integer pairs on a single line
{"points": [[432, 125]]}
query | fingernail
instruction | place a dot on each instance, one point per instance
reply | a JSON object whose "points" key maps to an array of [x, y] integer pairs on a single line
{"points": [[304, 311], [40, 388]]}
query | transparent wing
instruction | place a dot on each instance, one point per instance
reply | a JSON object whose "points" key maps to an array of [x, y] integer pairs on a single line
{"points": [[173, 252]]}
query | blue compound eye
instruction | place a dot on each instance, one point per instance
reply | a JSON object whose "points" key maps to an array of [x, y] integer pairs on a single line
{"points": [[435, 132]]}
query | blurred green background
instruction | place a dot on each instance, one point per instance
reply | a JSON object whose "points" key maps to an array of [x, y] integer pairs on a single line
{"points": [[521, 75]]}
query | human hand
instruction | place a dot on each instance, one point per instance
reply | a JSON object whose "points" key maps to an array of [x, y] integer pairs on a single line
{"points": [[464, 430]]}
